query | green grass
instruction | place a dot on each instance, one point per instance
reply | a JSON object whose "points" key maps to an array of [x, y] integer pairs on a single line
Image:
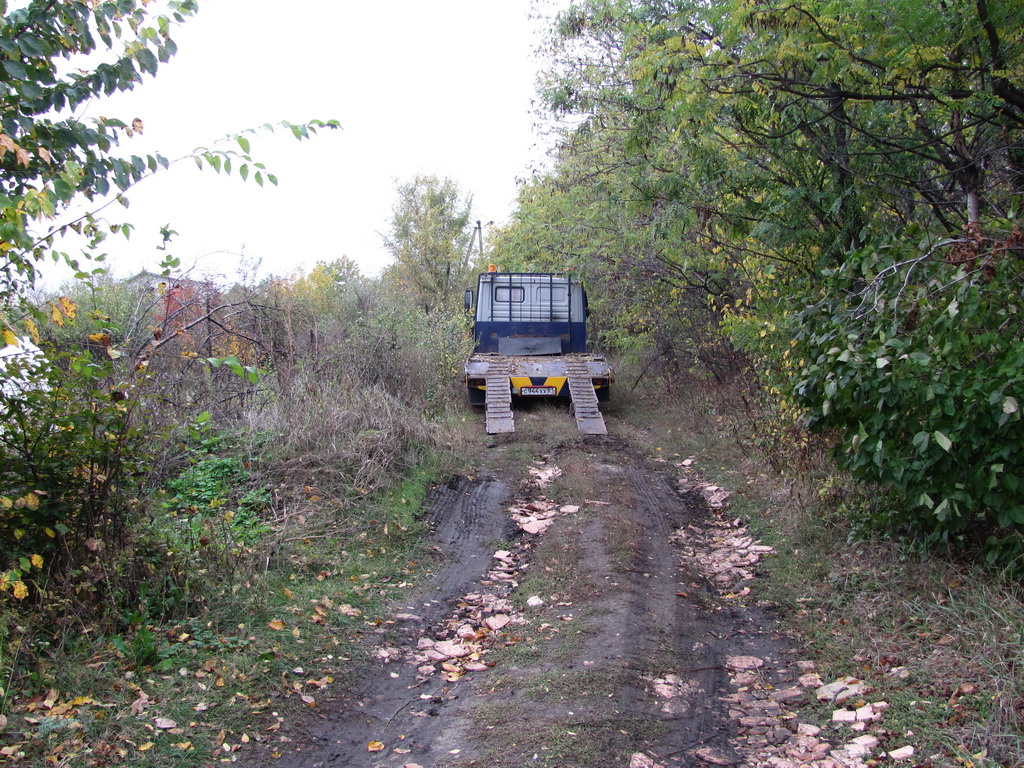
{"points": [[220, 671]]}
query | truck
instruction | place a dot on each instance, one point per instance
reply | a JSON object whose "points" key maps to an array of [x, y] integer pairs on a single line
{"points": [[530, 334]]}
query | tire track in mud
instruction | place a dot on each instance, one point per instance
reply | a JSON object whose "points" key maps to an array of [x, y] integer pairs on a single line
{"points": [[390, 703], [623, 664], [686, 640], [654, 623]]}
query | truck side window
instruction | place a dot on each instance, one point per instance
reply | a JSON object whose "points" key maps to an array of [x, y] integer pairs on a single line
{"points": [[557, 295], [508, 294]]}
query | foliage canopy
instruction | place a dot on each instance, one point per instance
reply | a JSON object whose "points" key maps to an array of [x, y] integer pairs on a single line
{"points": [[817, 183]]}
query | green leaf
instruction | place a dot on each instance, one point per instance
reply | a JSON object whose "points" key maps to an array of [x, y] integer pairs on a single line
{"points": [[33, 46], [921, 441], [243, 143], [15, 69], [942, 440], [64, 190], [147, 60]]}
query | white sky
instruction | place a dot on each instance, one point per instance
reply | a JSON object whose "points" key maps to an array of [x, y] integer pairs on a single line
{"points": [[442, 87]]}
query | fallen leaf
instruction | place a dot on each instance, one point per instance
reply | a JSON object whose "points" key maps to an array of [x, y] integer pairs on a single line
{"points": [[497, 621], [374, 746], [738, 663], [452, 649], [276, 624], [147, 746], [164, 723]]}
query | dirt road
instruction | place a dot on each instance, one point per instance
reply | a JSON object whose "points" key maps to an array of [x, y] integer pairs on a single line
{"points": [[595, 612]]}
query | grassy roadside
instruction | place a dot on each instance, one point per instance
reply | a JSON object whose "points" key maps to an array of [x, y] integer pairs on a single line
{"points": [[939, 640], [269, 626]]}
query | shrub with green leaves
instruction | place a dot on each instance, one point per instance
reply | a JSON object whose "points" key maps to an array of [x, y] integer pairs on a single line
{"points": [[919, 364], [71, 455]]}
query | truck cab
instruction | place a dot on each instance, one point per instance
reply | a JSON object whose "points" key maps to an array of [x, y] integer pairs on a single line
{"points": [[530, 314], [530, 335]]}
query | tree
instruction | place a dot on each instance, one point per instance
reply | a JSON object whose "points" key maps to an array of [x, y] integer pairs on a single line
{"points": [[78, 442], [431, 239], [844, 180]]}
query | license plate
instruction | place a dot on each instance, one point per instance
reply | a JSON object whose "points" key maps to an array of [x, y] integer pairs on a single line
{"points": [[541, 391]]}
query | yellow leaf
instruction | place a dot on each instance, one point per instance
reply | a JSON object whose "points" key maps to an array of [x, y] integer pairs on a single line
{"points": [[374, 746], [9, 338], [37, 561], [31, 501], [288, 593], [276, 624], [56, 316], [33, 331], [68, 307], [20, 590], [144, 747]]}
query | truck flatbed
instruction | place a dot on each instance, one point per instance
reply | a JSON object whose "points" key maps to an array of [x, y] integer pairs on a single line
{"points": [[494, 379]]}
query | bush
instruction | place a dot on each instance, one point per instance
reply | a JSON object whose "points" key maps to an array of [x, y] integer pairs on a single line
{"points": [[919, 364], [72, 455]]}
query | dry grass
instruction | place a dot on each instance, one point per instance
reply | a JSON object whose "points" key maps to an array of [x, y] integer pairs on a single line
{"points": [[333, 436]]}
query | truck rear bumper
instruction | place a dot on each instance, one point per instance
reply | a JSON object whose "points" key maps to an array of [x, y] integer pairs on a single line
{"points": [[537, 376]]}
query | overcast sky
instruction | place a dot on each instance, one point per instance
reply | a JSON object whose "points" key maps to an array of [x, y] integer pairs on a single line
{"points": [[442, 87]]}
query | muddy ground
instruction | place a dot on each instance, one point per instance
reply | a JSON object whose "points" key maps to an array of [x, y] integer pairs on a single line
{"points": [[611, 620]]}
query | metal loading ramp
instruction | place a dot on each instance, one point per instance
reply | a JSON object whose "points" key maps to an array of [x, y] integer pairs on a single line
{"points": [[498, 397], [584, 400]]}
